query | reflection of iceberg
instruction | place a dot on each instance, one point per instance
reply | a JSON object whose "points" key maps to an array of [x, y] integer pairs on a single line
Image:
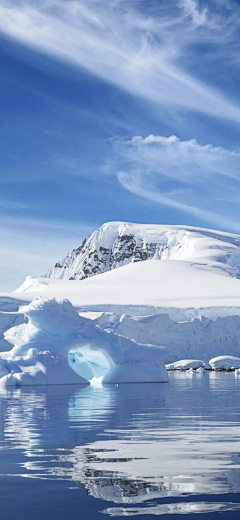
{"points": [[20, 408], [152, 448], [56, 338], [25, 412], [132, 445], [91, 405]]}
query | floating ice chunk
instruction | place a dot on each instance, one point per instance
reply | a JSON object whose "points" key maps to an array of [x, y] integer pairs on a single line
{"points": [[191, 371], [225, 363], [201, 371], [185, 364]]}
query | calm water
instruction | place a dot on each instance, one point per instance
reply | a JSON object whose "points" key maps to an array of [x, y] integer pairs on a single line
{"points": [[129, 450]]}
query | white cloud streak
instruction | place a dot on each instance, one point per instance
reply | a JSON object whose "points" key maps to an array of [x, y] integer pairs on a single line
{"points": [[201, 176], [185, 161], [142, 53], [199, 17]]}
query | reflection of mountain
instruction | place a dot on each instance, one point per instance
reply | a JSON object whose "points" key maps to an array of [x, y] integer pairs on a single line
{"points": [[112, 487], [173, 509], [172, 463], [117, 486], [133, 443]]}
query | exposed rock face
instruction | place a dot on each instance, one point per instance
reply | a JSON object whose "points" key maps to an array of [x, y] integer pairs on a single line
{"points": [[117, 243], [113, 245]]}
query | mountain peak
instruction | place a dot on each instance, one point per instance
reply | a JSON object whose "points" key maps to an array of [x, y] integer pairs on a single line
{"points": [[116, 244]]}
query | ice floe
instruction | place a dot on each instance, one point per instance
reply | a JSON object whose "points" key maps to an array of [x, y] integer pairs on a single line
{"points": [[186, 364], [225, 363]]}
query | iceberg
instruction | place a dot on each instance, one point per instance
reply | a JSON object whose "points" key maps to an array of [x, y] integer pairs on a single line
{"points": [[225, 363], [201, 371], [57, 346], [187, 364]]}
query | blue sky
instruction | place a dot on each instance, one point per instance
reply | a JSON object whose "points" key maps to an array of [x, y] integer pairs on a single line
{"points": [[114, 110]]}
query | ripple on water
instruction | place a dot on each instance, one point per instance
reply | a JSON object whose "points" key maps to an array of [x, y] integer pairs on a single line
{"points": [[150, 449]]}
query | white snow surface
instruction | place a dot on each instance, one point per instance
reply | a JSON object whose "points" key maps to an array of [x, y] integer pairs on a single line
{"points": [[116, 244], [184, 296], [57, 346], [166, 285], [186, 364], [225, 362]]}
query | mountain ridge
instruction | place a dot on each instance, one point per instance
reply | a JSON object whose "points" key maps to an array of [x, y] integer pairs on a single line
{"points": [[116, 244]]}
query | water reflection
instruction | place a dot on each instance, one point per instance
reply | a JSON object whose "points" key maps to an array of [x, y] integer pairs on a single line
{"points": [[132, 445], [172, 509]]}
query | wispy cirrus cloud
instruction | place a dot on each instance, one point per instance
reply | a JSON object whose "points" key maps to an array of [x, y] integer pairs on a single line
{"points": [[143, 51], [199, 16], [199, 180]]}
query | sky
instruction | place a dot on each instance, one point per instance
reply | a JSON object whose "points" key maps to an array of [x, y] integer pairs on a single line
{"points": [[114, 110]]}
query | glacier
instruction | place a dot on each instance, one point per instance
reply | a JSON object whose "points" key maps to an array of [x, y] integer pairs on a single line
{"points": [[131, 289]]}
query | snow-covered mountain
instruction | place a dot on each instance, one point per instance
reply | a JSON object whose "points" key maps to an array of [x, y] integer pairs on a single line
{"points": [[171, 286], [116, 244]]}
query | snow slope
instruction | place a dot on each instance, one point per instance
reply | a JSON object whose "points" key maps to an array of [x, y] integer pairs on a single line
{"points": [[119, 243], [179, 285]]}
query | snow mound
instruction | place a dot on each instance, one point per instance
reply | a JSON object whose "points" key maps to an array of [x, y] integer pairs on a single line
{"points": [[225, 363], [186, 364], [57, 346]]}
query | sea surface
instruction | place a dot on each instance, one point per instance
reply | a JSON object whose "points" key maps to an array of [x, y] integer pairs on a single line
{"points": [[140, 450]]}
